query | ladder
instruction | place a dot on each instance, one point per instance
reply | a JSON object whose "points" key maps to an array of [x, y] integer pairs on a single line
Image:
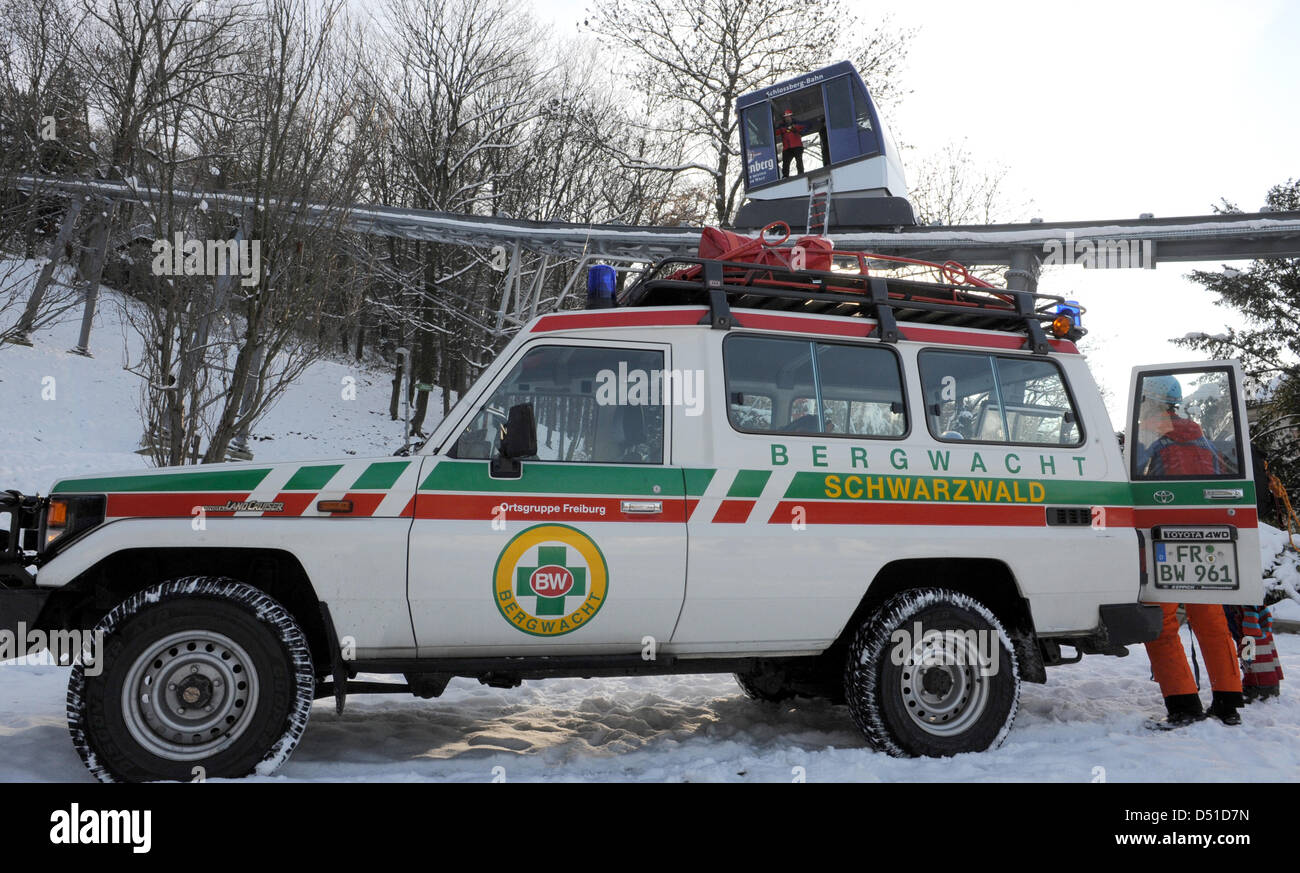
{"points": [[819, 205]]}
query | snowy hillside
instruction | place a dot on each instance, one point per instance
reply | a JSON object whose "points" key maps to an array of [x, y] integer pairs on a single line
{"points": [[1084, 725], [63, 414]]}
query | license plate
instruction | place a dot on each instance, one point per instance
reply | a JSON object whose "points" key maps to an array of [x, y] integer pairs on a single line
{"points": [[1195, 558]]}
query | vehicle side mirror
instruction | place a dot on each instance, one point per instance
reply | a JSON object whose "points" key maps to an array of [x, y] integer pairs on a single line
{"points": [[518, 440]]}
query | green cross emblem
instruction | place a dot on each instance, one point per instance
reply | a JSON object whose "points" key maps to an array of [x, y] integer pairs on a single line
{"points": [[548, 556]]}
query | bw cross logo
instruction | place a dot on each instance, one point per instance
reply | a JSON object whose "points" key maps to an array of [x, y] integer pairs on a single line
{"points": [[550, 580]]}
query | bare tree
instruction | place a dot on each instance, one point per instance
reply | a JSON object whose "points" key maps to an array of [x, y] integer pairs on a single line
{"points": [[264, 122], [462, 91], [951, 187], [42, 131]]}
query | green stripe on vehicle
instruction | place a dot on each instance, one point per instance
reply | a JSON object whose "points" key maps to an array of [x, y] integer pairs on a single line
{"points": [[697, 480], [381, 476], [204, 480], [557, 478], [312, 478], [888, 487], [749, 483]]}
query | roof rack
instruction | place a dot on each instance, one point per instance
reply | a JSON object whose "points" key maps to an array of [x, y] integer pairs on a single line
{"points": [[724, 285]]}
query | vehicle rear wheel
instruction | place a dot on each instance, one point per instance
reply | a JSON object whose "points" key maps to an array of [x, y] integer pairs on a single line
{"points": [[201, 676], [932, 673]]}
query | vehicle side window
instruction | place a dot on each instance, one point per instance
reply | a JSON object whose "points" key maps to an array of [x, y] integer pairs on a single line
{"points": [[591, 404], [802, 386], [997, 399]]}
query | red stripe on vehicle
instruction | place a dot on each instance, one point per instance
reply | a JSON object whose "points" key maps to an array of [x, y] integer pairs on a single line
{"points": [[765, 321], [651, 317], [1117, 516], [845, 512], [295, 503], [485, 507], [409, 510], [691, 503], [983, 340], [733, 511], [364, 504], [619, 318], [912, 333], [1244, 517], [168, 505]]}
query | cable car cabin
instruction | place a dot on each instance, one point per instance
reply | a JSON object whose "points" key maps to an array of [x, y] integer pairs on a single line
{"points": [[852, 176]]}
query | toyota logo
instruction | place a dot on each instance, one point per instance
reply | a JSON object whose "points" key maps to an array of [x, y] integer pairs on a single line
{"points": [[1164, 496]]}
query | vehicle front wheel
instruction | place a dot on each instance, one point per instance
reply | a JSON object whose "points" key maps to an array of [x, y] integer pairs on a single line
{"points": [[932, 673], [202, 676]]}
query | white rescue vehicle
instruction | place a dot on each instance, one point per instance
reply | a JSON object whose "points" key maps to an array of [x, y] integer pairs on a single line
{"points": [[901, 494]]}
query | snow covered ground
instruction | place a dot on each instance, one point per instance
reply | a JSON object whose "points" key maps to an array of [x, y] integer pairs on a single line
{"points": [[702, 729], [1084, 725]]}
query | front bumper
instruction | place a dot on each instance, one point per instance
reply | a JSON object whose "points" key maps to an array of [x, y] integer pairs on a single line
{"points": [[20, 608]]}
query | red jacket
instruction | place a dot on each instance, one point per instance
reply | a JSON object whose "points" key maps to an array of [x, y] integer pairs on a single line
{"points": [[791, 135], [1181, 450]]}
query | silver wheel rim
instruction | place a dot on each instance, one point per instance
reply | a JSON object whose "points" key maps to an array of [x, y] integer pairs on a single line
{"points": [[190, 695], [943, 687]]}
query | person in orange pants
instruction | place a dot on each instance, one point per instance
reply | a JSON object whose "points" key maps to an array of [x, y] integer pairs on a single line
{"points": [[1169, 665]]}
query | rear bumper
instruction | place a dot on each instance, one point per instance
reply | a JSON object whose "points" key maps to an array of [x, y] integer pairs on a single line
{"points": [[1123, 624]]}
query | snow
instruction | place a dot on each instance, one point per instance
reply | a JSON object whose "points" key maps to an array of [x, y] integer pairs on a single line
{"points": [[697, 728], [1281, 571], [702, 729], [63, 414]]}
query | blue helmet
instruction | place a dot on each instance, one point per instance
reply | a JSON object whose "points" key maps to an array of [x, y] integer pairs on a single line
{"points": [[1162, 389]]}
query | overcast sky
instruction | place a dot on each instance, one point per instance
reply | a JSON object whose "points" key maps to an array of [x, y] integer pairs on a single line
{"points": [[1099, 111]]}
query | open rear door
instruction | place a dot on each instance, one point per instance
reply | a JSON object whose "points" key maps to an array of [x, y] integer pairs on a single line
{"points": [[1188, 453]]}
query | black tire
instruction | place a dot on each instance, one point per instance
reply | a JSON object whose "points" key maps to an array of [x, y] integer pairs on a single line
{"points": [[239, 661], [934, 706]]}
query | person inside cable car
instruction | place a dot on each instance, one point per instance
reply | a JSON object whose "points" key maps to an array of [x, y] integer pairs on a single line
{"points": [[791, 134]]}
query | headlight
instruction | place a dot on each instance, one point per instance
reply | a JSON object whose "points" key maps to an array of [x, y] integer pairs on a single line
{"points": [[70, 514]]}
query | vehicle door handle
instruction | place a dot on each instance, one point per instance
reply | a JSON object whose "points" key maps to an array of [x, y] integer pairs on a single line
{"points": [[643, 507], [1224, 493]]}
